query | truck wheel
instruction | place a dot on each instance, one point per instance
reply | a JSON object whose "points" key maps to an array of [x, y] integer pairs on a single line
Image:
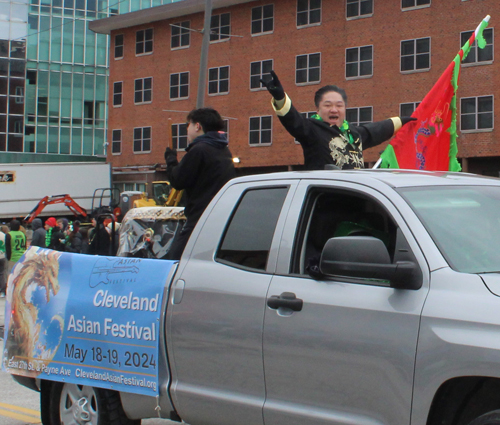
{"points": [[84, 405], [490, 418]]}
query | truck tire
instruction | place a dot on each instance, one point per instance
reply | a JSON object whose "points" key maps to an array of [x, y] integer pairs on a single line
{"points": [[490, 418], [80, 404]]}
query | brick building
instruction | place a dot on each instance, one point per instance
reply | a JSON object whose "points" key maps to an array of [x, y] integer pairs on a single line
{"points": [[387, 54]]}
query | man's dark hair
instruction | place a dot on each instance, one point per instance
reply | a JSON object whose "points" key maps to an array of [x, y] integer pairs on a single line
{"points": [[319, 94], [208, 118], [15, 225]]}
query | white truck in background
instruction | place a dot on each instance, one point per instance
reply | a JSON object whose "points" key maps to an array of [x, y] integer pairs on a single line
{"points": [[22, 186]]}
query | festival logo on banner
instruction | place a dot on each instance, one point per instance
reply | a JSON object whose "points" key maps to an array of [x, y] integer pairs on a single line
{"points": [[84, 319]]}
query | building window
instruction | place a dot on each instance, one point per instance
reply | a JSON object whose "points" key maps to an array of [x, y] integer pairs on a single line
{"points": [[260, 130], [416, 54], [180, 35], [119, 46], [226, 128], [19, 95], [307, 68], [359, 8], [476, 113], [179, 85], [143, 90], [218, 80], [263, 19], [358, 116], [116, 142], [406, 4], [142, 139], [359, 62], [117, 93], [406, 109], [260, 70], [479, 55], [308, 12], [144, 41], [179, 136], [220, 27]]}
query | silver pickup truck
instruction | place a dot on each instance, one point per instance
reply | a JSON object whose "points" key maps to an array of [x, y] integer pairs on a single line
{"points": [[333, 297]]}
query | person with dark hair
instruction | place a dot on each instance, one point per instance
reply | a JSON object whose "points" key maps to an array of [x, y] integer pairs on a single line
{"points": [[326, 137], [74, 238], [204, 169], [99, 239], [15, 244]]}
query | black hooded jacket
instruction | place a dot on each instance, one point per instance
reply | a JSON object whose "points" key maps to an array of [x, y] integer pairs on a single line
{"points": [[39, 232], [206, 167]]}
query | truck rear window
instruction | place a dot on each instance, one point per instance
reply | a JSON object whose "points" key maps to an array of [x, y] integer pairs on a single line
{"points": [[248, 237]]}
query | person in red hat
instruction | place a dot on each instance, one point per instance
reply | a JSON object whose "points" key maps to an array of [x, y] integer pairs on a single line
{"points": [[54, 234]]}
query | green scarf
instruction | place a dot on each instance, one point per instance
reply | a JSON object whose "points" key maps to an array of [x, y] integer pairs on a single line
{"points": [[344, 128]]}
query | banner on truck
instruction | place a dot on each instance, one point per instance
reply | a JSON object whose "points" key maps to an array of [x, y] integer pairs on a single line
{"points": [[87, 320]]}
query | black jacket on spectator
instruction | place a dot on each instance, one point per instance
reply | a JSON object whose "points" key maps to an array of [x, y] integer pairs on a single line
{"points": [[206, 167], [38, 238]]}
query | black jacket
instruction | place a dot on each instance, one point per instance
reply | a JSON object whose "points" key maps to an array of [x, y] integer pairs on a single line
{"points": [[206, 167], [324, 144], [38, 238]]}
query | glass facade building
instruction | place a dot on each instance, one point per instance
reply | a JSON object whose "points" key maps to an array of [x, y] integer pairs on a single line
{"points": [[54, 76]]}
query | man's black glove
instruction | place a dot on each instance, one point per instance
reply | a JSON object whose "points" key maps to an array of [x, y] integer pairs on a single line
{"points": [[406, 120], [274, 87], [170, 155]]}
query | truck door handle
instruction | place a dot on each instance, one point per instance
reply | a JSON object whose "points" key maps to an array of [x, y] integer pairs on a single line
{"points": [[287, 300]]}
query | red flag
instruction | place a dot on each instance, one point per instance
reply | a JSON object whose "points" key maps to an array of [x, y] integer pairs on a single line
{"points": [[429, 143]]}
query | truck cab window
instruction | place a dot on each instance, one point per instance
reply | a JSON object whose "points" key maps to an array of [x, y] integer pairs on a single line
{"points": [[334, 214], [248, 237]]}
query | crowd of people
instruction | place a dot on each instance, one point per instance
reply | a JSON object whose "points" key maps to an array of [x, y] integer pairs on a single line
{"points": [[57, 234]]}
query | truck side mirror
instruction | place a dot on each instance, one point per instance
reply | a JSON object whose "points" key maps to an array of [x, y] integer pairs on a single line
{"points": [[366, 257]]}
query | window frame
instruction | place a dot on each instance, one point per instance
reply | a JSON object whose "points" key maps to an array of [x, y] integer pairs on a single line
{"points": [[476, 115], [177, 137], [269, 238], [415, 6], [219, 80], [116, 142], [179, 74], [218, 29], [308, 11], [178, 25], [359, 62], [122, 46], [414, 104], [261, 75], [415, 54], [261, 20], [260, 130], [475, 49], [143, 91], [145, 42], [142, 139], [359, 15], [358, 109], [116, 93], [308, 69]]}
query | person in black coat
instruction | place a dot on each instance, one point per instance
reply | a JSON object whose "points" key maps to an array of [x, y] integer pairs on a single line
{"points": [[206, 167], [38, 238], [326, 137]]}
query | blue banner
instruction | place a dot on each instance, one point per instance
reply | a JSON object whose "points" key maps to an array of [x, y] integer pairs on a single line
{"points": [[87, 320]]}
